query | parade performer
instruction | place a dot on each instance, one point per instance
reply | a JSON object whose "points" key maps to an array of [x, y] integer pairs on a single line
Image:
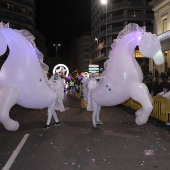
{"points": [[84, 91], [57, 87], [91, 105]]}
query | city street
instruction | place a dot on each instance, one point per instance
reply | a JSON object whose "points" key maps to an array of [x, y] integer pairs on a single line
{"points": [[119, 144]]}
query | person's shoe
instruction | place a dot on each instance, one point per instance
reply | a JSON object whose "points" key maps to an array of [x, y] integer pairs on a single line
{"points": [[99, 122], [56, 124], [168, 123], [46, 127], [95, 127]]}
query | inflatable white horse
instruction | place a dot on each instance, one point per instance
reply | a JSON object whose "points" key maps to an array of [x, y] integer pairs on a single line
{"points": [[21, 78], [123, 78]]}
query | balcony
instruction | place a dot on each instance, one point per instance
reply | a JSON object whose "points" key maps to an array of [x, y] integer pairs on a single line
{"points": [[165, 40], [130, 16], [126, 5]]}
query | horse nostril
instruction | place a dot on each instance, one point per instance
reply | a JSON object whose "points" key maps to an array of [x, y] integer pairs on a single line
{"points": [[109, 89], [40, 79], [106, 85]]}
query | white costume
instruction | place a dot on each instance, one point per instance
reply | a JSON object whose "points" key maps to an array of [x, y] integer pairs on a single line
{"points": [[85, 90], [164, 94], [57, 86], [91, 105]]}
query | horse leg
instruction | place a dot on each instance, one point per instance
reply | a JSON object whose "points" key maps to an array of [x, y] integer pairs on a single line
{"points": [[140, 93], [138, 112], [8, 98]]}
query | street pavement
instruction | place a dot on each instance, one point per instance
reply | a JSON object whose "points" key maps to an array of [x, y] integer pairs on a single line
{"points": [[119, 144]]}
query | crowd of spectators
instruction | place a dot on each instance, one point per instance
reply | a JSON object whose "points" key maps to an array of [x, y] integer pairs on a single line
{"points": [[158, 85]]}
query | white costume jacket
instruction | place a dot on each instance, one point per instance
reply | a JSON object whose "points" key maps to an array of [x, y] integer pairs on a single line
{"points": [[57, 87], [91, 86]]}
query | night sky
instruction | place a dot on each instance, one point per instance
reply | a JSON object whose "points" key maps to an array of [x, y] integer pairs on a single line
{"points": [[62, 21]]}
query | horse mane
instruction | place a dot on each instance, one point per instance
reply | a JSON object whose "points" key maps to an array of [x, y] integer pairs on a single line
{"points": [[30, 37], [131, 27]]}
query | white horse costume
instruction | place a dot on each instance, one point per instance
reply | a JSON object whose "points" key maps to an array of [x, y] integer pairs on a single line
{"points": [[21, 78], [123, 78]]}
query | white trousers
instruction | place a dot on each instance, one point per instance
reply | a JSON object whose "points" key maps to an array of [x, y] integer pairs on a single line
{"points": [[52, 112], [96, 112]]}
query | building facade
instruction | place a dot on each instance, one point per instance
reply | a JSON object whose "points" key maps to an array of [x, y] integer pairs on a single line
{"points": [[79, 58], [84, 51], [161, 10], [20, 14], [109, 19]]}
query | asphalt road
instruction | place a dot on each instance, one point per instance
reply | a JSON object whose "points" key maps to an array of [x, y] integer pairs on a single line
{"points": [[119, 144]]}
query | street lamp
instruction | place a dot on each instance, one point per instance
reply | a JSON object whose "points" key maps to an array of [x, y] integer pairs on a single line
{"points": [[105, 2], [96, 39], [56, 46]]}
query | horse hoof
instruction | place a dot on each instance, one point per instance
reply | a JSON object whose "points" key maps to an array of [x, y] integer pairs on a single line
{"points": [[12, 126], [137, 113], [95, 128], [140, 121]]}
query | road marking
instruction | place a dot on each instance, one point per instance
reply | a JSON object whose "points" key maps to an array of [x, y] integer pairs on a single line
{"points": [[15, 153]]}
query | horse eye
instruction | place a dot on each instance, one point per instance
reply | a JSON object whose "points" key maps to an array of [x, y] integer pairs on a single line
{"points": [[106, 85], [40, 79], [109, 89]]}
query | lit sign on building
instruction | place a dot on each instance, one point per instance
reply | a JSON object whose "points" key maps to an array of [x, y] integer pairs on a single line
{"points": [[93, 68]]}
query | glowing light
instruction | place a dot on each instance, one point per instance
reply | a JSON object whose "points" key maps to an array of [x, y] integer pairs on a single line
{"points": [[61, 68], [104, 2]]}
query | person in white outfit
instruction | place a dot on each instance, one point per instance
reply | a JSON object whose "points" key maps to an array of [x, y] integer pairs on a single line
{"points": [[57, 86], [91, 105], [165, 92]]}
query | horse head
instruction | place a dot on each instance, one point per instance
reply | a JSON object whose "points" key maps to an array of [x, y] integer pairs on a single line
{"points": [[150, 47]]}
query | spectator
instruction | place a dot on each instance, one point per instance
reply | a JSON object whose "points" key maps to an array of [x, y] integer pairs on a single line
{"points": [[153, 87], [165, 93], [160, 85], [168, 82]]}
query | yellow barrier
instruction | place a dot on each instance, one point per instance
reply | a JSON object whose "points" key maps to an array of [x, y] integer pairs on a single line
{"points": [[127, 103], [161, 107], [78, 96], [68, 92], [135, 105], [83, 104]]}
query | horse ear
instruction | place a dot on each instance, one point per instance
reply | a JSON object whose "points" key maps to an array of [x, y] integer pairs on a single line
{"points": [[3, 44]]}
